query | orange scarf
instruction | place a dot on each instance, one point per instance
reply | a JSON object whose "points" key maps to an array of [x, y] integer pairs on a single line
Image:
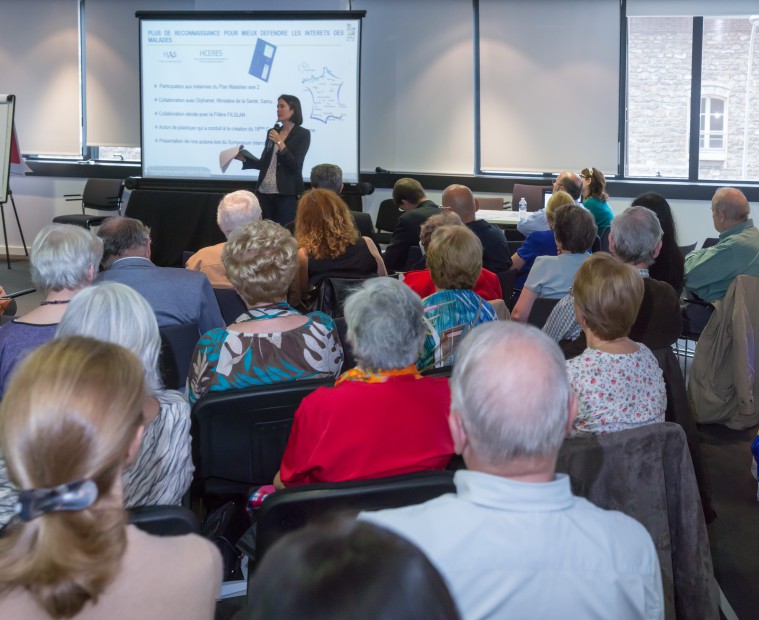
{"points": [[379, 376]]}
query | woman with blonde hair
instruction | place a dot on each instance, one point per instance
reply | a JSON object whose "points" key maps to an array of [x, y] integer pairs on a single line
{"points": [[540, 242], [71, 421], [270, 342], [454, 258], [329, 243], [618, 382]]}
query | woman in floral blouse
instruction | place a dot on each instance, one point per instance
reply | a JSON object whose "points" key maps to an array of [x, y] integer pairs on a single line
{"points": [[271, 342], [618, 382]]}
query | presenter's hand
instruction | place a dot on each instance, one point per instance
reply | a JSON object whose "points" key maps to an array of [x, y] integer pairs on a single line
{"points": [[240, 157], [276, 138]]}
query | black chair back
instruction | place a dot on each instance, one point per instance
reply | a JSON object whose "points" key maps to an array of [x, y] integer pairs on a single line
{"points": [[177, 346], [98, 195], [687, 249], [387, 219], [230, 304], [342, 331], [415, 259], [239, 436], [293, 508], [709, 242], [332, 293], [541, 309], [164, 520]]}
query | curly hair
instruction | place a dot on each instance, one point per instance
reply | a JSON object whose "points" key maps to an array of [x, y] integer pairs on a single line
{"points": [[323, 224]]}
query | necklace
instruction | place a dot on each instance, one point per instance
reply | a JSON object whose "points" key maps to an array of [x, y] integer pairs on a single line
{"points": [[54, 302]]}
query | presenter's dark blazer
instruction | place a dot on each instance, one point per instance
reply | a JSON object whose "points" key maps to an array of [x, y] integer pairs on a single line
{"points": [[406, 234], [289, 161]]}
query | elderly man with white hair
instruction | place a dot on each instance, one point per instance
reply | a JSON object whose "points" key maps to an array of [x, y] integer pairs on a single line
{"points": [[235, 209], [513, 541]]}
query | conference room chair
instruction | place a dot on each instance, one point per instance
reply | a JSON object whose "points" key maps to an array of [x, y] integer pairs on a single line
{"points": [[603, 234], [507, 279], [415, 259], [98, 195], [679, 412], [239, 436], [532, 193], [331, 294], [295, 507], [230, 304], [687, 249], [489, 203], [164, 520], [353, 194], [387, 219], [709, 242], [342, 331], [177, 346], [647, 473], [541, 309]]}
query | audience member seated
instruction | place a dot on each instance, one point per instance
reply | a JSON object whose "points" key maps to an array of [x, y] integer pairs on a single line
{"points": [[495, 249], [635, 239], [235, 209], [72, 420], [513, 541], [63, 260], [669, 265], [594, 198], [488, 286], [347, 569], [566, 181], [454, 258], [540, 242], [177, 296], [618, 382], [382, 418], [273, 342], [551, 276], [329, 243], [409, 195], [113, 312], [330, 176]]}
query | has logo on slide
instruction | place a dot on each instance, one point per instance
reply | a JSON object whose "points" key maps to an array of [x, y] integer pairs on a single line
{"points": [[169, 54]]}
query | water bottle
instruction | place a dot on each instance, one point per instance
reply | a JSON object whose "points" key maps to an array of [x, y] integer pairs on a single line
{"points": [[522, 208]]}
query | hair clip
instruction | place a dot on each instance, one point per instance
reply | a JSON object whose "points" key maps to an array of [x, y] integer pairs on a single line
{"points": [[77, 495]]}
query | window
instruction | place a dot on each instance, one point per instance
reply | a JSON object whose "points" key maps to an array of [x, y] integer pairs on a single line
{"points": [[692, 92], [711, 138]]}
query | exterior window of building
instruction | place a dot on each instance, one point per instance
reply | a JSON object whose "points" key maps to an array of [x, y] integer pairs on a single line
{"points": [[711, 139]]}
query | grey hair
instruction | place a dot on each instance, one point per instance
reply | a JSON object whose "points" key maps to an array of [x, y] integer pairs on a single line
{"points": [[116, 313], [327, 176], [733, 203], [64, 257], [120, 234], [385, 325], [237, 208], [508, 414], [636, 232]]}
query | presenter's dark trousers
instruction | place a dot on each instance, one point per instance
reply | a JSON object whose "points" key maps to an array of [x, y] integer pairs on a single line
{"points": [[278, 207]]}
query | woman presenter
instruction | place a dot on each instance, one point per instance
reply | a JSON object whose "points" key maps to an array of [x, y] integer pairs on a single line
{"points": [[280, 181]]}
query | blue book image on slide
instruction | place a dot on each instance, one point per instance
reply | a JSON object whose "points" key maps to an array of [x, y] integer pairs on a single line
{"points": [[263, 57]]}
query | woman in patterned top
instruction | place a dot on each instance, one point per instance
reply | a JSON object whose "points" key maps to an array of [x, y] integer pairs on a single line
{"points": [[113, 312], [271, 342], [454, 258], [618, 382]]}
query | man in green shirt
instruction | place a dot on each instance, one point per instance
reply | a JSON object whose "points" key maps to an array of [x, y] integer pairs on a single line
{"points": [[709, 272]]}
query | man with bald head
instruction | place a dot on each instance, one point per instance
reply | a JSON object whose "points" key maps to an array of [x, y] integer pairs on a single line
{"points": [[513, 541], [567, 181], [495, 250], [709, 272]]}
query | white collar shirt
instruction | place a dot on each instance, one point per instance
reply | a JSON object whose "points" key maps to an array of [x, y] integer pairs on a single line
{"points": [[516, 550]]}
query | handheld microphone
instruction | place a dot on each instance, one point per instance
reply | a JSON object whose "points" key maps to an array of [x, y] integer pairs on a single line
{"points": [[269, 142]]}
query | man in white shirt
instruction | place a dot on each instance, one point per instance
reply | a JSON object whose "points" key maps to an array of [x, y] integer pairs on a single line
{"points": [[567, 181], [514, 542]]}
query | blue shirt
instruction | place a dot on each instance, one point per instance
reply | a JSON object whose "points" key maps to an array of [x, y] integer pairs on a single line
{"points": [[539, 243], [509, 549]]}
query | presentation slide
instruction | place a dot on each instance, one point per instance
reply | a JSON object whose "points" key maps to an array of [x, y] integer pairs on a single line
{"points": [[211, 86]]}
